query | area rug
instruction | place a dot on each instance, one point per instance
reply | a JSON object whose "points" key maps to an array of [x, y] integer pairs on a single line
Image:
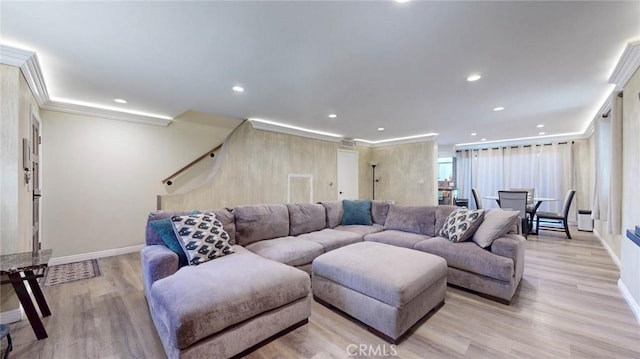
{"points": [[70, 272]]}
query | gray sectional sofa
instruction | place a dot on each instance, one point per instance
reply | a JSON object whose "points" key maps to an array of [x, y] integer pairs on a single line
{"points": [[269, 296]]}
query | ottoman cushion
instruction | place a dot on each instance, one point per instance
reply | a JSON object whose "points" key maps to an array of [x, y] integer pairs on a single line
{"points": [[293, 251], [332, 239], [390, 274]]}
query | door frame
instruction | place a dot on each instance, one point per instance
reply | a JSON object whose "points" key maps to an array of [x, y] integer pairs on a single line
{"points": [[357, 177], [36, 180]]}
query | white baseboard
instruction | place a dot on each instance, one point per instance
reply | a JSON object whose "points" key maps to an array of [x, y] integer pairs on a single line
{"points": [[635, 307], [94, 255], [11, 316], [606, 246]]}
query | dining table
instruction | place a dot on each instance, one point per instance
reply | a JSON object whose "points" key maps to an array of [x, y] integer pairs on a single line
{"points": [[537, 200]]}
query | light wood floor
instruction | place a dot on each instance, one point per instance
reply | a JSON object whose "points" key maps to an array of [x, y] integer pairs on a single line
{"points": [[568, 306]]}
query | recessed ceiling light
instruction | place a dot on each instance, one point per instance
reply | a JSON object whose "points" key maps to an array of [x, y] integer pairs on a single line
{"points": [[238, 88], [483, 139], [380, 128], [540, 126], [119, 100], [402, 1], [473, 133], [333, 115], [473, 78], [498, 108], [542, 133]]}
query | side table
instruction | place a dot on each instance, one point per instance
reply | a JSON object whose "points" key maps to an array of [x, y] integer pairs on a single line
{"points": [[20, 267]]}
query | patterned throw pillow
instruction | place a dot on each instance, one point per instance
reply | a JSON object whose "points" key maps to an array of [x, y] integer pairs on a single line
{"points": [[461, 224], [202, 237]]}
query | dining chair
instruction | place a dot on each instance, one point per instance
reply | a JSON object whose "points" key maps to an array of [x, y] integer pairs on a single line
{"points": [[557, 218], [477, 198], [517, 201], [532, 205]]}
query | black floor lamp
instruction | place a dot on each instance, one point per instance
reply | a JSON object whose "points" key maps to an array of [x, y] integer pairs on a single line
{"points": [[373, 178]]}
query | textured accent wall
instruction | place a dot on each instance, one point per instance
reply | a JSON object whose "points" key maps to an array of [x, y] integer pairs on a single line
{"points": [[408, 173], [629, 252], [256, 166], [257, 163]]}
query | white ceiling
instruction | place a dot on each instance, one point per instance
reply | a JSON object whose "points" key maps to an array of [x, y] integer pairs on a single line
{"points": [[375, 64]]}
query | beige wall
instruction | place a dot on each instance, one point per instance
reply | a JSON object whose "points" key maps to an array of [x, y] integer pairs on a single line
{"points": [[16, 103], [408, 173], [630, 252], [101, 177], [256, 166]]}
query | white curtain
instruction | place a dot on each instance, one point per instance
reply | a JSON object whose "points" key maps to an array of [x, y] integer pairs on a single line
{"points": [[549, 169], [608, 189], [463, 175], [487, 172], [554, 176], [603, 169], [520, 166]]}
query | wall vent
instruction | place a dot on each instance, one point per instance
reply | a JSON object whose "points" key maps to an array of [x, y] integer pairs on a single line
{"points": [[348, 143]]}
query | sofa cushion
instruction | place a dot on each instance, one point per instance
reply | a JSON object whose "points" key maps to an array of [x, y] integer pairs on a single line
{"points": [[379, 211], [202, 237], [230, 290], [151, 235], [496, 223], [331, 239], [293, 251], [468, 256], [461, 224], [442, 213], [305, 218], [164, 228], [228, 220], [261, 221], [414, 219], [356, 212], [361, 230], [224, 215], [396, 238], [334, 213]]}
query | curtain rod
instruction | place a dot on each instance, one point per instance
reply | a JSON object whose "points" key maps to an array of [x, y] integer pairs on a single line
{"points": [[497, 148]]}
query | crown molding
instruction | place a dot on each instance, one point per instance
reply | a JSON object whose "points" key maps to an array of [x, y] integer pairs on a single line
{"points": [[259, 124], [90, 111], [627, 65], [27, 61], [396, 141]]}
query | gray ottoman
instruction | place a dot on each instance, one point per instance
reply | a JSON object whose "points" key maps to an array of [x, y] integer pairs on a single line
{"points": [[387, 288]]}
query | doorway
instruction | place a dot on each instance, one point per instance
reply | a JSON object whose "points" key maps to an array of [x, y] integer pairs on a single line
{"points": [[347, 174]]}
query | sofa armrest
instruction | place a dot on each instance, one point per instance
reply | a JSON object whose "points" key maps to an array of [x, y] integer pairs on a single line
{"points": [[511, 246], [158, 262]]}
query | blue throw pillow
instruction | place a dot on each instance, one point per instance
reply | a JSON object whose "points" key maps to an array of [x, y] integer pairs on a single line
{"points": [[164, 228], [356, 212]]}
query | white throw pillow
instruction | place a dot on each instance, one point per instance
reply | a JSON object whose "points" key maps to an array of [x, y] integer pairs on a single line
{"points": [[497, 222], [202, 237], [461, 224]]}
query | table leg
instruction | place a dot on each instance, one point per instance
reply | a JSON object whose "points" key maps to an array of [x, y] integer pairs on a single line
{"points": [[27, 305], [37, 293]]}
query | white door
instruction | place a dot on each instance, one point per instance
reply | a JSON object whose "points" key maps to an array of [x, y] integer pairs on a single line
{"points": [[347, 174]]}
